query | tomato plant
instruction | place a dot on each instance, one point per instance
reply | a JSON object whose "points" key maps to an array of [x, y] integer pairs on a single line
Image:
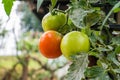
{"points": [[94, 21], [53, 21], [74, 43], [49, 44], [93, 17]]}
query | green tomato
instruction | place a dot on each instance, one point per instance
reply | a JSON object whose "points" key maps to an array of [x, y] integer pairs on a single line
{"points": [[53, 22], [73, 43]]}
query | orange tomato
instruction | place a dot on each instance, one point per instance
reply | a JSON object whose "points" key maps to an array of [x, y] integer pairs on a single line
{"points": [[49, 44]]}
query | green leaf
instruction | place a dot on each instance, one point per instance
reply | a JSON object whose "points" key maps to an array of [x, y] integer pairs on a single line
{"points": [[116, 6], [39, 2], [77, 18], [78, 67], [112, 58], [53, 3], [78, 11], [116, 40], [117, 50], [91, 18], [116, 70], [96, 73], [94, 53], [116, 10], [8, 6], [82, 14], [96, 39], [103, 63], [112, 2], [101, 48], [103, 76]]}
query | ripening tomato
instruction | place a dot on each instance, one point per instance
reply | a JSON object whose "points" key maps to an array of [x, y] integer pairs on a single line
{"points": [[53, 22], [73, 43], [49, 44]]}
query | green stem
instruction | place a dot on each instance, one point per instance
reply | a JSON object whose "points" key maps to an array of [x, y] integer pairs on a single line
{"points": [[53, 11], [106, 18], [58, 10], [67, 11]]}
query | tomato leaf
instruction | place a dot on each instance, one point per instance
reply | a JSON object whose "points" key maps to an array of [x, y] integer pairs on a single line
{"points": [[77, 68], [96, 73], [91, 18], [78, 11], [101, 48], [83, 15], [116, 10], [53, 2], [8, 6], [116, 40], [39, 2], [112, 2], [103, 63], [113, 59], [117, 49], [116, 70], [76, 18]]}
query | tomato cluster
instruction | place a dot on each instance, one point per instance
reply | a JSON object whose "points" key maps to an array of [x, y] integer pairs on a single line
{"points": [[53, 43]]}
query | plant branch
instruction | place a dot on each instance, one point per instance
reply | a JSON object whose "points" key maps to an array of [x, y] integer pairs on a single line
{"points": [[8, 74]]}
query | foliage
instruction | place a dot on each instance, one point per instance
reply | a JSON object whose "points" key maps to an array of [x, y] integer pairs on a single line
{"points": [[39, 2], [8, 6], [97, 73], [85, 16], [77, 69]]}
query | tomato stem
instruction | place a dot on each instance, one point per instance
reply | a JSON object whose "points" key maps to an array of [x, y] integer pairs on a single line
{"points": [[58, 10], [54, 11]]}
